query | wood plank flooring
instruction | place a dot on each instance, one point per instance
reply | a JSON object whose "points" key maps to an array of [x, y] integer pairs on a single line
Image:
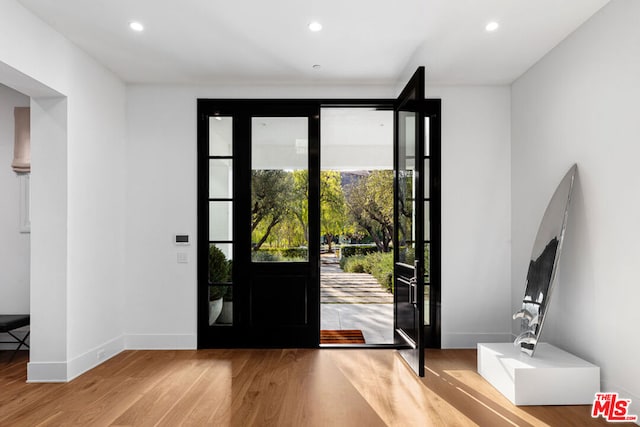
{"points": [[280, 387]]}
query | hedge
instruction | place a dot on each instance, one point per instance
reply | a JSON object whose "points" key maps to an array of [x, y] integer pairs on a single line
{"points": [[352, 250], [378, 264], [280, 254]]}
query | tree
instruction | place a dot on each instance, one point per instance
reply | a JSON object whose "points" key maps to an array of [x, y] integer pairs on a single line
{"points": [[370, 206], [280, 207], [332, 203], [332, 206], [271, 192], [300, 205], [405, 208]]}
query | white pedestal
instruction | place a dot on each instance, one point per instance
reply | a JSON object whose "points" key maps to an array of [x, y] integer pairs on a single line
{"points": [[551, 377]]}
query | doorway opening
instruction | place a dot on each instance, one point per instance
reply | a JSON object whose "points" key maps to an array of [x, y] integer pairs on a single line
{"points": [[356, 225], [271, 198], [15, 245]]}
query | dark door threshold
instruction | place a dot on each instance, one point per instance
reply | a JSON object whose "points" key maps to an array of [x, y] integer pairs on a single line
{"points": [[363, 346]]}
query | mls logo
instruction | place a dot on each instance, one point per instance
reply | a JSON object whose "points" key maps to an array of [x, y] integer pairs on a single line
{"points": [[611, 408]]}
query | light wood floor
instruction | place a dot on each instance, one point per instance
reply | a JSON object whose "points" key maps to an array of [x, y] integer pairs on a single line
{"points": [[290, 387]]}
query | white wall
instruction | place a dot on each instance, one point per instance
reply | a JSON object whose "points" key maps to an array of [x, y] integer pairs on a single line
{"points": [[160, 294], [14, 245], [475, 214], [579, 104], [80, 261], [49, 246], [78, 180]]}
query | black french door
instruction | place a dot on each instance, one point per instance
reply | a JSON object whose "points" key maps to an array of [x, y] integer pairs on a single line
{"points": [[258, 162], [252, 153], [416, 222]]}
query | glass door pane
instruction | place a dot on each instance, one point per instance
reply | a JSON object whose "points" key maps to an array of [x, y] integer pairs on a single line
{"points": [[431, 222], [406, 200], [220, 178], [427, 223], [221, 207], [279, 189], [431, 237], [221, 136]]}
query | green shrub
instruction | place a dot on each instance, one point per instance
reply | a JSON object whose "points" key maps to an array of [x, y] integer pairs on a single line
{"points": [[343, 263], [381, 267], [378, 264], [280, 255], [219, 272], [265, 256], [217, 292], [352, 250], [296, 253], [354, 264]]}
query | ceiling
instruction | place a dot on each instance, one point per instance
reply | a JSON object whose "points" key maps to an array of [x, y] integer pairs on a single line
{"points": [[362, 41]]}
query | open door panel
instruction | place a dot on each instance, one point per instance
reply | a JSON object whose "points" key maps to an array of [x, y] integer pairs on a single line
{"points": [[409, 224]]}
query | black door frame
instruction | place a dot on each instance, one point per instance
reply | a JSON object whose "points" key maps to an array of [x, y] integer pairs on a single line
{"points": [[432, 333], [240, 334]]}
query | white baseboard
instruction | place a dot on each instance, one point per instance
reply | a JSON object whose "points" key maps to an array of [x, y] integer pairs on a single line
{"points": [[634, 409], [55, 372], [471, 340], [47, 372], [161, 342], [94, 357]]}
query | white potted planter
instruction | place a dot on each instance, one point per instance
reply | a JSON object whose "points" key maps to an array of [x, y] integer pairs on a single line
{"points": [[215, 308], [226, 316]]}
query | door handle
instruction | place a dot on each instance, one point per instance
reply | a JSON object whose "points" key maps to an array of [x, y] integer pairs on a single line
{"points": [[413, 284]]}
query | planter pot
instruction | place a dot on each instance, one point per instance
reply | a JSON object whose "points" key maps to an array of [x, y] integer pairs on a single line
{"points": [[226, 316], [215, 308]]}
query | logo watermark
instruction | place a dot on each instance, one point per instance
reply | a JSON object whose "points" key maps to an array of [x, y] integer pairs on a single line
{"points": [[610, 407]]}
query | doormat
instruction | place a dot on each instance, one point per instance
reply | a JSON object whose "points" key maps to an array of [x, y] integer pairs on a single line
{"points": [[345, 336]]}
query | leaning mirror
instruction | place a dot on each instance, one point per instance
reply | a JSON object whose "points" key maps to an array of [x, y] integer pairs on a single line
{"points": [[543, 265]]}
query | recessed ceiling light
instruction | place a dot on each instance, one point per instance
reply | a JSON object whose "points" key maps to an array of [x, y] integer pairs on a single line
{"points": [[136, 26], [315, 26], [492, 26]]}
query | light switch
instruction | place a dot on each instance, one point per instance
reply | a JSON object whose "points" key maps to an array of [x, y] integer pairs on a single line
{"points": [[183, 258]]}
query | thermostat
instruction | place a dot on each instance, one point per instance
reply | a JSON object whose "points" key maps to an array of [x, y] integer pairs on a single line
{"points": [[182, 239]]}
